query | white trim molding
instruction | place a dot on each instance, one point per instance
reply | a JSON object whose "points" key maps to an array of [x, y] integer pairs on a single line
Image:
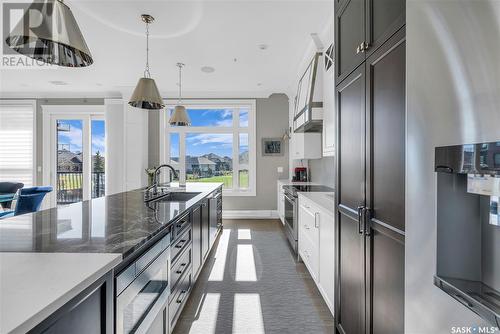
{"points": [[250, 214]]}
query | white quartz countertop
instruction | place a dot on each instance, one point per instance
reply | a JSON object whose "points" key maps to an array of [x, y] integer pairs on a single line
{"points": [[34, 285], [324, 199]]}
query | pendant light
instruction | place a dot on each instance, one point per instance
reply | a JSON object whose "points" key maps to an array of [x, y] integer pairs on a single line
{"points": [[146, 94], [56, 40], [180, 116]]}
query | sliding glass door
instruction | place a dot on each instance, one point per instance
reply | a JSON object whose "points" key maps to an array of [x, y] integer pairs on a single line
{"points": [[77, 152]]}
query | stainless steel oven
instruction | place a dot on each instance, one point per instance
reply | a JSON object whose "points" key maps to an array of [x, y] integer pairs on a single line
{"points": [[291, 215], [142, 291]]}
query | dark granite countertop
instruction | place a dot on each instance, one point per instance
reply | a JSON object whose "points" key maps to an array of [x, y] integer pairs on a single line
{"points": [[119, 223]]}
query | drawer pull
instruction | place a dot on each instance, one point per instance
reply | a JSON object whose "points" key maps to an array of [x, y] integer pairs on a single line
{"points": [[178, 272], [178, 246], [181, 299], [183, 264]]}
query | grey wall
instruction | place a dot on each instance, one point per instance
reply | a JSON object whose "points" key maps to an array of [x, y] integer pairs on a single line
{"points": [[323, 171], [453, 96], [271, 121]]}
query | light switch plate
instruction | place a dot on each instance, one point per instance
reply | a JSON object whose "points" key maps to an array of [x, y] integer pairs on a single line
{"points": [[280, 169]]}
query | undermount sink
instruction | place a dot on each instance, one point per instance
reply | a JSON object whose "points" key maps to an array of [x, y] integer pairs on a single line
{"points": [[176, 197]]}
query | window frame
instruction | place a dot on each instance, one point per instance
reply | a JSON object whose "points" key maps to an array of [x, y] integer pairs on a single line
{"points": [[235, 130]]}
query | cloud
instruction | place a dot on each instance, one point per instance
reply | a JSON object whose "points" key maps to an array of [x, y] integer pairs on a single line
{"points": [[223, 139], [73, 137], [225, 122], [98, 144]]}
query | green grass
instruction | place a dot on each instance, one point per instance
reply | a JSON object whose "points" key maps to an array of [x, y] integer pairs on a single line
{"points": [[226, 179]]}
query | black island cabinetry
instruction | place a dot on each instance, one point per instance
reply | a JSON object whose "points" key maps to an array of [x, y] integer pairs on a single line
{"points": [[164, 245], [189, 243]]}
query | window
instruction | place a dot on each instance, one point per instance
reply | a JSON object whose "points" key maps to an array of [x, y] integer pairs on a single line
{"points": [[17, 154], [219, 146]]}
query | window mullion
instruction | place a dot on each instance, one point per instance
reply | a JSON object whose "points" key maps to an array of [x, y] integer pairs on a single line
{"points": [[182, 157]]}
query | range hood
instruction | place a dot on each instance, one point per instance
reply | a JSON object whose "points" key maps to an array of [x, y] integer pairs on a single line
{"points": [[308, 114]]}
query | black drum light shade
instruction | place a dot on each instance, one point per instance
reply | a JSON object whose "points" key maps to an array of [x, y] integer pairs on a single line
{"points": [[146, 95], [48, 32]]}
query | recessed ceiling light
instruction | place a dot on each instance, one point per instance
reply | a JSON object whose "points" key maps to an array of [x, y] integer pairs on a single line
{"points": [[263, 46], [58, 83], [208, 69], [259, 84]]}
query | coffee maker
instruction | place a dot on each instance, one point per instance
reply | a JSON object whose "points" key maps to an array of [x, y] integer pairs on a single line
{"points": [[300, 174]]}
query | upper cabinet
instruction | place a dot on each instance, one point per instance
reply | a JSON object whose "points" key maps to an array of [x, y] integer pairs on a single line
{"points": [[361, 27], [305, 146]]}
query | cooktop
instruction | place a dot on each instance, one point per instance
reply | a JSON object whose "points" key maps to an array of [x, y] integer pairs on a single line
{"points": [[294, 189]]}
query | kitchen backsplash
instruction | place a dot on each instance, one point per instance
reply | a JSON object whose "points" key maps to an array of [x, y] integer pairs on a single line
{"points": [[322, 171]]}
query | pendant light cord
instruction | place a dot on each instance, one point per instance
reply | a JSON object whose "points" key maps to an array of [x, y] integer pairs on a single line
{"points": [[147, 74], [180, 65]]}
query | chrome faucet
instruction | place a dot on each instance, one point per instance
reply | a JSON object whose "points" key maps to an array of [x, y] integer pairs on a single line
{"points": [[154, 186]]}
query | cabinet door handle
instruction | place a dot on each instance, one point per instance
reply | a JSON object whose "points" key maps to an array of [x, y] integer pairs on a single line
{"points": [[366, 46], [316, 219], [360, 219], [358, 49], [367, 216]]}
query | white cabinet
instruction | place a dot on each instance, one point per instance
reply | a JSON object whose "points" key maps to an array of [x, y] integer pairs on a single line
{"points": [[326, 258], [306, 146], [328, 112], [281, 202], [308, 239], [316, 246]]}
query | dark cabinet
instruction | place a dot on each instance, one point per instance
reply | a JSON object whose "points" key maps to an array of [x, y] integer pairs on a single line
{"points": [[349, 34], [383, 19], [371, 193], [386, 115], [205, 229], [89, 312], [197, 240], [361, 27], [385, 203], [350, 97]]}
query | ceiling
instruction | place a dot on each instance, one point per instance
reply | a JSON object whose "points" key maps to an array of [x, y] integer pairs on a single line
{"points": [[225, 35]]}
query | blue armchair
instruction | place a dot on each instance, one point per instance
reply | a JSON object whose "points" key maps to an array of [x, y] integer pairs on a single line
{"points": [[27, 200], [7, 188]]}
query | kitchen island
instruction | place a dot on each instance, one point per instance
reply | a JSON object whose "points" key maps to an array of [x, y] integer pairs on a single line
{"points": [[160, 245]]}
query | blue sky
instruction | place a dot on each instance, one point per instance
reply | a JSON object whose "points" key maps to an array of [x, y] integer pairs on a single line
{"points": [[203, 143], [74, 139]]}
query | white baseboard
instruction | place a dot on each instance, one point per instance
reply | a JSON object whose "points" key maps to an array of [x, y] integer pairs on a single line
{"points": [[250, 214]]}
